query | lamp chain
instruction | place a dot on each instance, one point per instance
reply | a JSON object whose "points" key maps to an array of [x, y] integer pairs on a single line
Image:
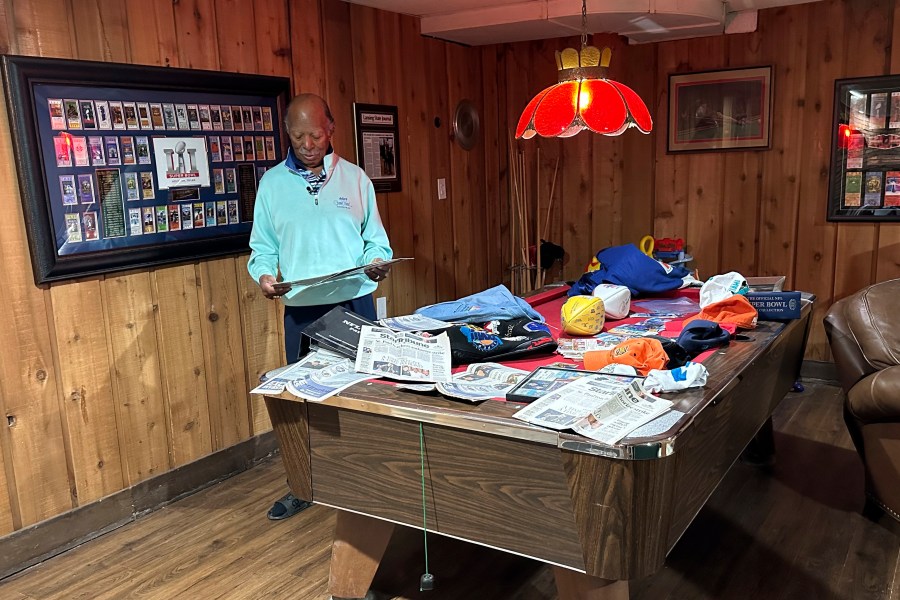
{"points": [[583, 24]]}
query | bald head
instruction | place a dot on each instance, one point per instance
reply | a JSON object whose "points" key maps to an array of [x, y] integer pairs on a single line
{"points": [[310, 126], [307, 104]]}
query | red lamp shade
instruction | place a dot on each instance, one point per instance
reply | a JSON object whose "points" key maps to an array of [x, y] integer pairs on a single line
{"points": [[583, 99]]}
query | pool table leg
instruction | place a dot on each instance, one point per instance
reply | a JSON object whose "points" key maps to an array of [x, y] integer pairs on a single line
{"points": [[359, 544], [572, 585]]}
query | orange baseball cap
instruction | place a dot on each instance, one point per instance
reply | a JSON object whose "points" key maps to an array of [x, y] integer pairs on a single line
{"points": [[735, 309], [644, 354]]}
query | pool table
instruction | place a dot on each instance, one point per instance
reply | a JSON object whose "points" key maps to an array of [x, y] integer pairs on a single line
{"points": [[600, 515]]}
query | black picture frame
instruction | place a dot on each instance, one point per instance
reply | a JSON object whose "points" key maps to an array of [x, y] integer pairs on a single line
{"points": [[726, 109], [110, 240], [864, 179], [378, 144]]}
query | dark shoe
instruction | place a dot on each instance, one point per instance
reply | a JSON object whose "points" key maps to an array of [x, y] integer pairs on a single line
{"points": [[287, 506]]}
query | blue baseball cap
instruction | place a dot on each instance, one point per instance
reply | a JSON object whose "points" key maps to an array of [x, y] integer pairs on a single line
{"points": [[700, 335]]}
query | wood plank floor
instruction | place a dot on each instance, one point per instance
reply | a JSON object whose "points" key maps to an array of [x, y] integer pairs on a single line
{"points": [[794, 532]]}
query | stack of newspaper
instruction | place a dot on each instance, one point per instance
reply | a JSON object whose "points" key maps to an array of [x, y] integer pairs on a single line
{"points": [[316, 377], [599, 407]]}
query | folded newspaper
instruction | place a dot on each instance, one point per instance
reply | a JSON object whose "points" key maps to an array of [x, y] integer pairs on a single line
{"points": [[599, 407], [329, 277], [403, 355]]}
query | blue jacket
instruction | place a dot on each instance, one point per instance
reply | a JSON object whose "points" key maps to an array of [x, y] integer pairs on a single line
{"points": [[494, 303], [628, 266]]}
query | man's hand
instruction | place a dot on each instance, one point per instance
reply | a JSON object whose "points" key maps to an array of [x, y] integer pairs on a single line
{"points": [[377, 273], [271, 288]]}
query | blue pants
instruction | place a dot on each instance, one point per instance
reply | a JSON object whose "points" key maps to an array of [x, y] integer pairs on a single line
{"points": [[296, 318]]}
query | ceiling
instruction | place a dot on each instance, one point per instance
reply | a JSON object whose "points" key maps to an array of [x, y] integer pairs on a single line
{"points": [[479, 22]]}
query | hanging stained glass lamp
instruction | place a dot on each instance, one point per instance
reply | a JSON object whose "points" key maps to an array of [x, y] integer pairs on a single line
{"points": [[584, 98]]}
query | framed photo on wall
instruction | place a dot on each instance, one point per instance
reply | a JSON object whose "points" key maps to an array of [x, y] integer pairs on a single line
{"points": [[720, 110], [121, 166], [865, 151], [377, 144]]}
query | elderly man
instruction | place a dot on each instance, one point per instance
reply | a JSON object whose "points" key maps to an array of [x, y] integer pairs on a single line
{"points": [[315, 214]]}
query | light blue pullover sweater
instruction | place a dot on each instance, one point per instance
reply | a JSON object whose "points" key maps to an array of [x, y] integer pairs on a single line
{"points": [[308, 236]]}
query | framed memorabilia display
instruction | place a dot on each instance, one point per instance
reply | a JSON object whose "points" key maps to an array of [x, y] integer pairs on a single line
{"points": [[122, 166], [865, 151], [720, 110], [377, 144]]}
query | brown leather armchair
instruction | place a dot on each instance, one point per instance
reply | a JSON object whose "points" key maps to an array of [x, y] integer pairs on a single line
{"points": [[864, 333]]}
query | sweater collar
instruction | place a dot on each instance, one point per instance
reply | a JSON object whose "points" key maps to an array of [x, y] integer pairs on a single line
{"points": [[295, 166]]}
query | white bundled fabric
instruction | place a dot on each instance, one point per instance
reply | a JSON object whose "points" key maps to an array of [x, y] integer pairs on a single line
{"points": [[616, 299], [719, 287], [690, 375]]}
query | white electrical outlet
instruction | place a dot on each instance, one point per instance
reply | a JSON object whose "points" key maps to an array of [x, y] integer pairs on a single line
{"points": [[442, 189], [381, 307]]}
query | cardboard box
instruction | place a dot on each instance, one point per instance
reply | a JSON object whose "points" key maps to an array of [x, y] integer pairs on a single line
{"points": [[776, 306]]}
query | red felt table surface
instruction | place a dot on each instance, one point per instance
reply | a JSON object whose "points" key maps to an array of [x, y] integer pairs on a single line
{"points": [[549, 303]]}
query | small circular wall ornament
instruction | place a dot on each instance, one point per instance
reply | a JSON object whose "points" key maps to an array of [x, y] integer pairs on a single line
{"points": [[466, 124]]}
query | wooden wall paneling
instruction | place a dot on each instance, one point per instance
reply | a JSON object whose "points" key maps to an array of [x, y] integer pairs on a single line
{"points": [[263, 341], [739, 225], [490, 128], [151, 33], [402, 299], [235, 34], [435, 79], [32, 438], [307, 46], [576, 202], [140, 409], [101, 30], [671, 186], [785, 40], [706, 176], [364, 39], [866, 52], [195, 26], [815, 253], [6, 511], [517, 80], [84, 372], [855, 263], [742, 180], [220, 325], [339, 75], [888, 257], [182, 362], [541, 73], [42, 29], [370, 68], [638, 161], [606, 196], [273, 37], [4, 28], [467, 171], [504, 135], [418, 132]]}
